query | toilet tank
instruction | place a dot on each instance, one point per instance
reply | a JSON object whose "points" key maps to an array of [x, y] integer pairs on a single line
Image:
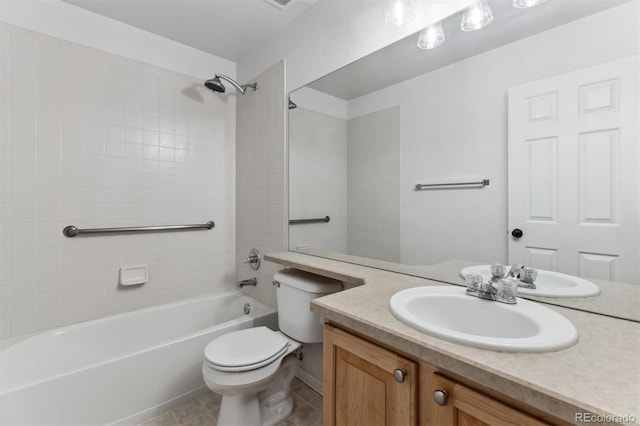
{"points": [[295, 290]]}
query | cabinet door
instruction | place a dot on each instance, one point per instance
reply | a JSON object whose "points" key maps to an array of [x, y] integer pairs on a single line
{"points": [[467, 407], [359, 383]]}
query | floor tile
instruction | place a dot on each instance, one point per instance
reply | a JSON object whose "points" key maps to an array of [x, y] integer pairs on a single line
{"points": [[188, 410], [204, 410], [164, 419]]}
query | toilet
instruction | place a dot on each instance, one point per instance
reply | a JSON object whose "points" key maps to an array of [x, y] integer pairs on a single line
{"points": [[253, 368]]}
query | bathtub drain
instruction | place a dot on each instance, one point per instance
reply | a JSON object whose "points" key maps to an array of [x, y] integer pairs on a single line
{"points": [[247, 308]]}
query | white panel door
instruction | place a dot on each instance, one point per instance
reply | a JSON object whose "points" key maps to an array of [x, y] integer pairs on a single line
{"points": [[573, 166]]}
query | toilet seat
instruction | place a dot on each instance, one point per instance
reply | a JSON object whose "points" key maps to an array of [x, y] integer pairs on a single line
{"points": [[245, 350], [238, 381]]}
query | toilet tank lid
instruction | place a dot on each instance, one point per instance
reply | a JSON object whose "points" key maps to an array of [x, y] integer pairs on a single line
{"points": [[307, 282]]}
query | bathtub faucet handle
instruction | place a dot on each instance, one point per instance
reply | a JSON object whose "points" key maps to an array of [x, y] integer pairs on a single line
{"points": [[253, 259]]}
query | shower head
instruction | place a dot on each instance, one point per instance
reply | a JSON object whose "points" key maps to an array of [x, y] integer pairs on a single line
{"points": [[216, 85], [292, 105]]}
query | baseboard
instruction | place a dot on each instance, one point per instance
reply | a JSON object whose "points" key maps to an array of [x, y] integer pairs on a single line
{"points": [[309, 379], [143, 416]]}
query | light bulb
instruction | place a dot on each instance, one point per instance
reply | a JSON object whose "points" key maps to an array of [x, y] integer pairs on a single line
{"points": [[476, 16], [431, 37], [522, 4], [399, 12]]}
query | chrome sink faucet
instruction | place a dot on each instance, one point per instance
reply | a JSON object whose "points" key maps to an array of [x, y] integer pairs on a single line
{"points": [[525, 276], [514, 272], [498, 289]]}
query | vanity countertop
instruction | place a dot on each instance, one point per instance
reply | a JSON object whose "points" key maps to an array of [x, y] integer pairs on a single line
{"points": [[617, 299], [600, 374]]}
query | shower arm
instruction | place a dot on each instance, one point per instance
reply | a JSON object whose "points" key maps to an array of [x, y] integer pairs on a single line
{"points": [[239, 87]]}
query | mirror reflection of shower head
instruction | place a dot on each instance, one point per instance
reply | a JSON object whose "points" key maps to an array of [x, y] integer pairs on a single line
{"points": [[216, 85], [292, 105]]}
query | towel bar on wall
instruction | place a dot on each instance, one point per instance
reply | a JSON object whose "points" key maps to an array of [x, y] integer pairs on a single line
{"points": [[304, 221], [421, 186], [72, 231]]}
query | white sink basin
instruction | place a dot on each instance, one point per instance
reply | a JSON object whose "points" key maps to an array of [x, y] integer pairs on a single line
{"points": [[548, 283], [448, 313]]}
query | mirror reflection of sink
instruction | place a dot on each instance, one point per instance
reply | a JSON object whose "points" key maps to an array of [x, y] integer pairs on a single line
{"points": [[548, 283], [448, 313]]}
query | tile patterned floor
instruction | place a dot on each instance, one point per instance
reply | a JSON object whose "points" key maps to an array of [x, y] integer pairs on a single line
{"points": [[203, 411]]}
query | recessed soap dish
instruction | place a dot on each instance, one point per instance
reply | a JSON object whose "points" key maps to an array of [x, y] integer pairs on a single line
{"points": [[134, 275]]}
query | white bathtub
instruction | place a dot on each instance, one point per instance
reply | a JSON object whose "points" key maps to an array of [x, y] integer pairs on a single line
{"points": [[121, 369]]}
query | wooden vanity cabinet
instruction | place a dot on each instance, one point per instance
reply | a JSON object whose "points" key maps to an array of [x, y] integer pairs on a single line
{"points": [[464, 406], [368, 385], [365, 384]]}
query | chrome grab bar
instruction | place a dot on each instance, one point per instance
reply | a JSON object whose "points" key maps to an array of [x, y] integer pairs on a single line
{"points": [[71, 231], [420, 186], [303, 221]]}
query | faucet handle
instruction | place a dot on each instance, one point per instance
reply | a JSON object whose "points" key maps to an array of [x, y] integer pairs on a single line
{"points": [[528, 275], [498, 270], [473, 282], [253, 259], [506, 290]]}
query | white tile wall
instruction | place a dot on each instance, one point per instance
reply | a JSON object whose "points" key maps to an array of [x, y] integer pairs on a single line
{"points": [[373, 185], [92, 139], [261, 201], [318, 180]]}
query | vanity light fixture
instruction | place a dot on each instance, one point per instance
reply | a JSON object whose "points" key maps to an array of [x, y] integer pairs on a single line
{"points": [[431, 37], [476, 16], [399, 12], [523, 4]]}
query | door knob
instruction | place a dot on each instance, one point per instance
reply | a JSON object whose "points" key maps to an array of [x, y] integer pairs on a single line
{"points": [[440, 397], [517, 233], [399, 375]]}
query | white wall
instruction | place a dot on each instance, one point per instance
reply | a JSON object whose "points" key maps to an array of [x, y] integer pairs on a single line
{"points": [[454, 127], [329, 36], [67, 22], [323, 103], [373, 197], [317, 180], [261, 159], [75, 149], [92, 139], [334, 33]]}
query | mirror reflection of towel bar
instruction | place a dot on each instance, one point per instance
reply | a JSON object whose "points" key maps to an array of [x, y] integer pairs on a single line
{"points": [[420, 186], [303, 221]]}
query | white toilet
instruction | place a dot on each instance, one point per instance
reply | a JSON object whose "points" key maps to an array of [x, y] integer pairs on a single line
{"points": [[253, 368]]}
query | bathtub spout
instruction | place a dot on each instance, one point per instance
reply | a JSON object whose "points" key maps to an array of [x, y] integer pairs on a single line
{"points": [[251, 281]]}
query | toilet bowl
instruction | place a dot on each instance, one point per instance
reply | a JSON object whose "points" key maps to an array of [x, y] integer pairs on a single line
{"points": [[253, 368]]}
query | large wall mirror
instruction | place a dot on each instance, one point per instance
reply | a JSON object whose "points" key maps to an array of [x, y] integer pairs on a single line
{"points": [[516, 143]]}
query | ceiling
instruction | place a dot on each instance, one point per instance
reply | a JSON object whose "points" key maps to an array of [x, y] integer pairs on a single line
{"points": [[225, 28], [381, 69]]}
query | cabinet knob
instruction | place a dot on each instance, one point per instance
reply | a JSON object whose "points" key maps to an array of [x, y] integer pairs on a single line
{"points": [[440, 397], [399, 375]]}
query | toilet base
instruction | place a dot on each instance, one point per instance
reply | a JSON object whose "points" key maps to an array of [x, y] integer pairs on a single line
{"points": [[266, 408], [245, 410], [273, 415], [238, 409]]}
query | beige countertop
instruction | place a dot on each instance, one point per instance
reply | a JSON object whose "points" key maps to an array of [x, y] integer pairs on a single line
{"points": [[600, 374], [621, 300]]}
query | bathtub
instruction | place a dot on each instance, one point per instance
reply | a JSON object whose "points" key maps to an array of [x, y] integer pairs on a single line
{"points": [[122, 369]]}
